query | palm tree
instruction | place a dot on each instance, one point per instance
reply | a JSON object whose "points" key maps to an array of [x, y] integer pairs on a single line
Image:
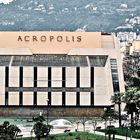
{"points": [[130, 99], [117, 99]]}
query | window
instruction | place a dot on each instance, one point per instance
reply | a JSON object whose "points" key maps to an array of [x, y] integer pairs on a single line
{"points": [[114, 71]]}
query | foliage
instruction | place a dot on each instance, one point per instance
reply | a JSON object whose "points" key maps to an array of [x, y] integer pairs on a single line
{"points": [[110, 131], [117, 99], [110, 114], [129, 95], [131, 98], [8, 132], [39, 118], [124, 131], [41, 129], [138, 72], [132, 81]]}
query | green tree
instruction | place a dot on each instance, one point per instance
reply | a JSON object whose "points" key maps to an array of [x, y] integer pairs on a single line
{"points": [[109, 132], [8, 132], [135, 82], [130, 99], [41, 129], [109, 115], [117, 99], [138, 72]]}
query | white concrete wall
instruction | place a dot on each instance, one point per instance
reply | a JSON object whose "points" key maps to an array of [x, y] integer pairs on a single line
{"points": [[28, 77], [41, 98], [56, 98], [84, 76], [42, 76], [102, 90], [2, 85], [71, 76], [84, 98], [13, 98], [27, 98], [70, 98], [14, 76], [56, 76]]}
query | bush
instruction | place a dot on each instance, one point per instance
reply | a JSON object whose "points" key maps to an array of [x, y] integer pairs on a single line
{"points": [[70, 134], [124, 132]]}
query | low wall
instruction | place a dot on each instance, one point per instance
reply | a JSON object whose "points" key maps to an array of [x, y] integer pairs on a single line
{"points": [[53, 111]]}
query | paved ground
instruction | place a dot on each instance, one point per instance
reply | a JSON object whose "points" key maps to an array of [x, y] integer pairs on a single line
{"points": [[89, 128]]}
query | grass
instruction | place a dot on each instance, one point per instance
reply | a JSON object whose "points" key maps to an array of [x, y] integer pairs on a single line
{"points": [[124, 132], [72, 136]]}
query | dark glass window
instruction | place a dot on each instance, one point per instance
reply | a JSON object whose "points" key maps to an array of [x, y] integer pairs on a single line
{"points": [[114, 71]]}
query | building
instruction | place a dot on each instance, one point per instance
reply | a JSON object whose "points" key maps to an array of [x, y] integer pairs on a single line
{"points": [[58, 70], [134, 53]]}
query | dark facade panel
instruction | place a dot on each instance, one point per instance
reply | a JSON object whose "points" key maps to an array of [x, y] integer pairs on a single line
{"points": [[115, 78]]}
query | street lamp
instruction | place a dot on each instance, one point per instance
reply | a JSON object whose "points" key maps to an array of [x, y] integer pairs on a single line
{"points": [[77, 122], [47, 101]]}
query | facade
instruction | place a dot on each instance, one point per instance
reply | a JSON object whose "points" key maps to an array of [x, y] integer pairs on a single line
{"points": [[59, 69]]}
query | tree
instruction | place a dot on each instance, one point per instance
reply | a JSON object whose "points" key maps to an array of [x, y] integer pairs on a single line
{"points": [[137, 102], [109, 115], [117, 99], [137, 98], [138, 72], [41, 129], [109, 132], [39, 118], [130, 99], [83, 121], [135, 82], [94, 123], [8, 132]]}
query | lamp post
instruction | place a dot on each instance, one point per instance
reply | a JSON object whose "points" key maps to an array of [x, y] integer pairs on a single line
{"points": [[77, 122], [47, 101], [105, 109]]}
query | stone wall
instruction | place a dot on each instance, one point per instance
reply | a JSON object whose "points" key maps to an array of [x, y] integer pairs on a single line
{"points": [[22, 112]]}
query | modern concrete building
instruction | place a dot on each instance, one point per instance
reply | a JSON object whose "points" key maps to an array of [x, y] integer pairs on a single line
{"points": [[59, 69]]}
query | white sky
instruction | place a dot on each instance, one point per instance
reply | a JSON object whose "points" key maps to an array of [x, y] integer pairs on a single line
{"points": [[5, 1]]}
